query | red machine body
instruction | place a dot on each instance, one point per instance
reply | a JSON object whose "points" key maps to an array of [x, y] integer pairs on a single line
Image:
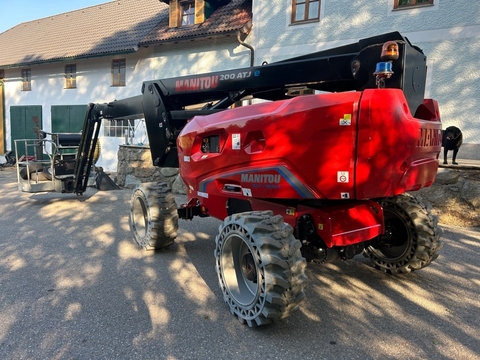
{"points": [[323, 161], [325, 155]]}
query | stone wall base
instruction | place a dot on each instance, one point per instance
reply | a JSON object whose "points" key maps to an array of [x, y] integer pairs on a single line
{"points": [[135, 167], [455, 196]]}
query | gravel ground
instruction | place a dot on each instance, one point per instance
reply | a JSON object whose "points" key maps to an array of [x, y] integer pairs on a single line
{"points": [[73, 285]]}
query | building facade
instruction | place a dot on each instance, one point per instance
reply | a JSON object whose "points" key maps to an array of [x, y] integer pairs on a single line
{"points": [[48, 85]]}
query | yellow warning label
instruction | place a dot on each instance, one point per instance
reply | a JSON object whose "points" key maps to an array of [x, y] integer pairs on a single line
{"points": [[291, 212], [346, 120]]}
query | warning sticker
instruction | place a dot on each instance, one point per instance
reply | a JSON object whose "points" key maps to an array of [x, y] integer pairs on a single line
{"points": [[342, 176], [236, 141], [247, 192], [346, 120]]}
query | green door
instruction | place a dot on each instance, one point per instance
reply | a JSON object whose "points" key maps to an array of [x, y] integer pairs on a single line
{"points": [[25, 123], [68, 118], [2, 117]]}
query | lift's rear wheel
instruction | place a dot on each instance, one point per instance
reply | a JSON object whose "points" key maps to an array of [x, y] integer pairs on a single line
{"points": [[259, 266], [411, 240], [153, 216]]}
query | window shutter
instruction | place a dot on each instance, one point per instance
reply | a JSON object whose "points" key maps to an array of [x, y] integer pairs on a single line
{"points": [[199, 11], [174, 13]]}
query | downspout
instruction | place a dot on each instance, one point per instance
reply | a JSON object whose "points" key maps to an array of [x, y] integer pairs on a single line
{"points": [[246, 30]]}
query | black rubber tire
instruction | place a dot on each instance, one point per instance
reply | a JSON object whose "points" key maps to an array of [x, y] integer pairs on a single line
{"points": [[260, 267], [47, 172], [411, 240], [153, 216], [97, 152]]}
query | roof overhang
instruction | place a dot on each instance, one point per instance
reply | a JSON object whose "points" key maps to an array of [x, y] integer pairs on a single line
{"points": [[66, 59]]}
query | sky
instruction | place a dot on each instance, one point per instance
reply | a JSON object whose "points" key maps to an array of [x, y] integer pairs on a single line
{"points": [[14, 12]]}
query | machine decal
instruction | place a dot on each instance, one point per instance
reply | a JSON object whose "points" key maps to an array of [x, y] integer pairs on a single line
{"points": [[290, 211], [202, 194], [247, 192], [346, 120], [239, 75], [345, 195], [284, 173], [430, 137], [196, 83], [261, 178], [342, 176], [235, 141]]}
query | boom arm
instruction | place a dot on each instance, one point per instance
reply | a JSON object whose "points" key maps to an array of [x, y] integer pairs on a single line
{"points": [[163, 103]]}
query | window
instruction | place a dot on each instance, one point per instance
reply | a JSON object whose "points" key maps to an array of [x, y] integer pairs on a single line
{"points": [[401, 4], [305, 10], [2, 74], [118, 72], [70, 76], [26, 80], [188, 12], [116, 128]]}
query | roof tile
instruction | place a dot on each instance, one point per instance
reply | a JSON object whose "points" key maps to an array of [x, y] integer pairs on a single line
{"points": [[115, 26]]}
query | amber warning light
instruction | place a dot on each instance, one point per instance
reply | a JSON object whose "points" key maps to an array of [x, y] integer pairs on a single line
{"points": [[389, 51]]}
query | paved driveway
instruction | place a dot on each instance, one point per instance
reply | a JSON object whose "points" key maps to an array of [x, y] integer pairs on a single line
{"points": [[73, 285]]}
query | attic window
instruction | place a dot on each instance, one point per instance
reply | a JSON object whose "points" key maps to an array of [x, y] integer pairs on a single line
{"points": [[187, 12]]}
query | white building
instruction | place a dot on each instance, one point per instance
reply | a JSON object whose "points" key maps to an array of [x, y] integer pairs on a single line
{"points": [[52, 67]]}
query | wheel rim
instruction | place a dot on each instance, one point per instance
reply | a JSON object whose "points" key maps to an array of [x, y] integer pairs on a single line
{"points": [[139, 214], [240, 271], [397, 241]]}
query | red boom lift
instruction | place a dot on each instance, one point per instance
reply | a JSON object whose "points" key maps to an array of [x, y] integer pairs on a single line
{"points": [[316, 177]]}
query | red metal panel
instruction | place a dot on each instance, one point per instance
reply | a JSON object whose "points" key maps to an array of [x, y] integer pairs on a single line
{"points": [[396, 152]]}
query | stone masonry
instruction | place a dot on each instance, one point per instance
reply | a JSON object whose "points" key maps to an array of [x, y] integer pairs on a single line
{"points": [[135, 167], [455, 196]]}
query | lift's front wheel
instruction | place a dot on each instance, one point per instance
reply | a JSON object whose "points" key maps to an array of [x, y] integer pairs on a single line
{"points": [[259, 266], [153, 216]]}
